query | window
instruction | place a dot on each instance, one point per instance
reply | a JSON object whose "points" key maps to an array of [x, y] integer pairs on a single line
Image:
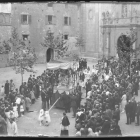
{"points": [[67, 20], [50, 20], [25, 19], [25, 37], [66, 37], [50, 4]]}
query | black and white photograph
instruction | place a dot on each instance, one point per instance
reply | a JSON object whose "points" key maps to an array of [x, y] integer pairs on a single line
{"points": [[70, 69]]}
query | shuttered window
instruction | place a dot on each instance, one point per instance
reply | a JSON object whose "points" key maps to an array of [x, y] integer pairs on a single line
{"points": [[25, 19], [67, 20], [66, 37], [50, 20]]}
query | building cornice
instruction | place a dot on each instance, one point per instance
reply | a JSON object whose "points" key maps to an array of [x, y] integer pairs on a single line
{"points": [[120, 26]]}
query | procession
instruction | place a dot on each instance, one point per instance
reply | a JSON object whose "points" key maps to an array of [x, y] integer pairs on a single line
{"points": [[69, 69]]}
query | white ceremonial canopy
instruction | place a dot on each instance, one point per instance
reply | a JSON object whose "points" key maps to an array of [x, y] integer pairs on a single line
{"points": [[54, 66]]}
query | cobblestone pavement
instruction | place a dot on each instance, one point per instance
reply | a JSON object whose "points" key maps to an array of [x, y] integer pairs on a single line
{"points": [[28, 124]]}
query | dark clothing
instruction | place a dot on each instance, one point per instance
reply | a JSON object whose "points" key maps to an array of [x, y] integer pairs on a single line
{"points": [[65, 122], [128, 113], [88, 87], [7, 88], [134, 107], [66, 100], [105, 128], [37, 90], [74, 104], [138, 114], [3, 127], [43, 98], [117, 115], [115, 131], [82, 77]]}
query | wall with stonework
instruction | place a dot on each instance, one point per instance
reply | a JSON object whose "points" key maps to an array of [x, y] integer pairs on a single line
{"points": [[37, 29]]}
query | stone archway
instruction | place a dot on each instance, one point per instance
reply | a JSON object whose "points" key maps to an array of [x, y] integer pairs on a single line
{"points": [[123, 45], [49, 55]]}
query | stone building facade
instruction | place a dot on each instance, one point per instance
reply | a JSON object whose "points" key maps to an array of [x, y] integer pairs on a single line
{"points": [[99, 25], [5, 29], [104, 23], [118, 19], [32, 20]]}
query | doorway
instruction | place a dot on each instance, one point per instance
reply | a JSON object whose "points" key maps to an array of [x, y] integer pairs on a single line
{"points": [[123, 46], [49, 55]]}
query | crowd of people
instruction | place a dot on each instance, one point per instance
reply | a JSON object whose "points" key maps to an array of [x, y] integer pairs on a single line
{"points": [[107, 98], [110, 90], [15, 102]]}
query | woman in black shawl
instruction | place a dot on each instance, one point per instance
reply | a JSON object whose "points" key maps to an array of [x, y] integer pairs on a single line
{"points": [[64, 125]]}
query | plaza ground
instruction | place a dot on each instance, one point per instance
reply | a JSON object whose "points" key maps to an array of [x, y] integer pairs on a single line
{"points": [[28, 124]]}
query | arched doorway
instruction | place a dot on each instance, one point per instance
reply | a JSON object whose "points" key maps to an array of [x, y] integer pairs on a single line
{"points": [[49, 55], [123, 46]]}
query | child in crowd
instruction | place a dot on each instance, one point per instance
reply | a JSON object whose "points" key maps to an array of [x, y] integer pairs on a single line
{"points": [[32, 96], [15, 111], [21, 109], [23, 102], [28, 103], [13, 127]]}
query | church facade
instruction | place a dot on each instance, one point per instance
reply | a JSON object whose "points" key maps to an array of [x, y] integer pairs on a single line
{"points": [[105, 23]]}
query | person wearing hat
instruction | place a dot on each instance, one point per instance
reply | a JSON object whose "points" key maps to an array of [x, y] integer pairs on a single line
{"points": [[3, 126], [116, 114], [11, 85], [6, 87], [66, 100], [74, 104], [64, 125], [128, 112], [138, 113], [88, 86]]}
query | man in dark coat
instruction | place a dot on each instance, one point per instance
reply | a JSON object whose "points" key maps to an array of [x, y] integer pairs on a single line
{"points": [[82, 76], [74, 104], [78, 88], [136, 86], [3, 126], [65, 123], [66, 101], [128, 112], [37, 90], [134, 107], [105, 128], [138, 113], [117, 114], [43, 98], [88, 86], [7, 87]]}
